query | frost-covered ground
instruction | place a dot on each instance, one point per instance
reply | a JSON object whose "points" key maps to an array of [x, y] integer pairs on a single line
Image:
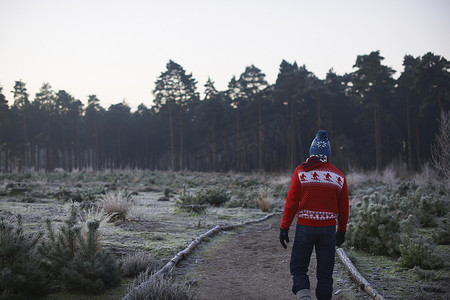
{"points": [[163, 228]]}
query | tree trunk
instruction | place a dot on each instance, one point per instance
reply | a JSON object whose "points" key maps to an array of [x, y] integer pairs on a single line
{"points": [[172, 150], [408, 123], [261, 136], [377, 129], [49, 145], [26, 144], [238, 158], [213, 144], [181, 138], [417, 163], [292, 134], [6, 159], [63, 148], [319, 119]]}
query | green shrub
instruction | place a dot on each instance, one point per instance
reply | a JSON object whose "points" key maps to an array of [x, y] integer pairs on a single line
{"points": [[419, 253], [215, 196], [197, 203], [75, 259], [405, 188], [374, 229], [416, 252], [442, 235], [21, 275], [187, 198]]}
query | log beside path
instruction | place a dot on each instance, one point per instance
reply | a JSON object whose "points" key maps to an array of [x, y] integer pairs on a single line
{"points": [[360, 280], [182, 254]]}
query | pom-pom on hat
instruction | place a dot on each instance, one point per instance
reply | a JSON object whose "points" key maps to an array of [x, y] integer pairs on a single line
{"points": [[320, 145]]}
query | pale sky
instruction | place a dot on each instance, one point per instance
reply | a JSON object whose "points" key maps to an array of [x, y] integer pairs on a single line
{"points": [[117, 49]]}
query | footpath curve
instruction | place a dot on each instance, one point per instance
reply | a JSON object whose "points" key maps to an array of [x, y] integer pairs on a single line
{"points": [[250, 264]]}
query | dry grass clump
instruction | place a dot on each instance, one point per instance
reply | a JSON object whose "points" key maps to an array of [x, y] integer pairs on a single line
{"points": [[134, 264], [95, 213], [157, 288], [116, 204], [265, 198]]}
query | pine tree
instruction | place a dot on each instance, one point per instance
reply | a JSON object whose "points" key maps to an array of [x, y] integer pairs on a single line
{"points": [[77, 261], [21, 275]]}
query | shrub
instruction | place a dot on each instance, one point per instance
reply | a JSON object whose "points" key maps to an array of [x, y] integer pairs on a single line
{"points": [[134, 264], [416, 252], [215, 196], [158, 288], [442, 235], [76, 260], [190, 203], [243, 198], [374, 230], [116, 204], [21, 275], [187, 198], [419, 253]]}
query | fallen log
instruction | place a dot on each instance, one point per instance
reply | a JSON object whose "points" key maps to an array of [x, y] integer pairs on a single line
{"points": [[360, 280], [182, 254]]}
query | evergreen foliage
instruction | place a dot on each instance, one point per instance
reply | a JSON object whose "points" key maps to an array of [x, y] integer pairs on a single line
{"points": [[386, 222], [214, 196], [374, 229], [419, 253], [75, 259], [372, 119], [442, 235], [21, 275]]}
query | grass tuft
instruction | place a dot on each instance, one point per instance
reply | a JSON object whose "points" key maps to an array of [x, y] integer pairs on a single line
{"points": [[116, 204], [265, 198], [134, 264], [157, 288]]}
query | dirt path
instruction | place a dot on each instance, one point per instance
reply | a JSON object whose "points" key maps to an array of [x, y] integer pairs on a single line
{"points": [[250, 264]]}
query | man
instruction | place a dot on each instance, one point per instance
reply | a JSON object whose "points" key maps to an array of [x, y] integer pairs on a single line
{"points": [[318, 196]]}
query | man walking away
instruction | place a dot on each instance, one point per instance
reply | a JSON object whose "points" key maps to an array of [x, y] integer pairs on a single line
{"points": [[318, 196]]}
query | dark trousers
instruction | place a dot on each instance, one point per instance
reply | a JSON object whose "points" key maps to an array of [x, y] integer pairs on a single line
{"points": [[323, 239]]}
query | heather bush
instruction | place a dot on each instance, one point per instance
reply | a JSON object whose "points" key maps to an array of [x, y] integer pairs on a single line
{"points": [[158, 288], [21, 275], [76, 260], [136, 263]]}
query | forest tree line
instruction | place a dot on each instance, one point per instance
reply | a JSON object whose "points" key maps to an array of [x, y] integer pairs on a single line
{"points": [[372, 120]]}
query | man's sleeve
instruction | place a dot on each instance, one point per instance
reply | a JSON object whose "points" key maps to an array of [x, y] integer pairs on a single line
{"points": [[343, 208], [292, 200]]}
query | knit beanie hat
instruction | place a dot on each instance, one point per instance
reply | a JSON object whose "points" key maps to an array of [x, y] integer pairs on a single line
{"points": [[320, 145]]}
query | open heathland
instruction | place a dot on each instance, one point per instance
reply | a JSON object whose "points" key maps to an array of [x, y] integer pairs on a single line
{"points": [[144, 218]]}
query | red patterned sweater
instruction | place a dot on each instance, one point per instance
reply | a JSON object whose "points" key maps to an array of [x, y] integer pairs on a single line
{"points": [[318, 196]]}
